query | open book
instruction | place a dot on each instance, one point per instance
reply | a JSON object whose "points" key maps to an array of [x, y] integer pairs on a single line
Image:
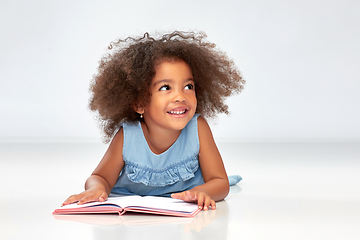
{"points": [[147, 204]]}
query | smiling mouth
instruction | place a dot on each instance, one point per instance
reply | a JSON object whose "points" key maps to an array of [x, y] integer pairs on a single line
{"points": [[178, 112]]}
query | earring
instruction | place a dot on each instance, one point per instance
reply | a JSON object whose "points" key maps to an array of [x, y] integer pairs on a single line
{"points": [[141, 115]]}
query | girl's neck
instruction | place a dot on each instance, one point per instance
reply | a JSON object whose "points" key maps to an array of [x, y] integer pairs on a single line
{"points": [[159, 141]]}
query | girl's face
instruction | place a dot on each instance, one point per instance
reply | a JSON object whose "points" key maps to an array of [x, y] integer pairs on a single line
{"points": [[173, 100]]}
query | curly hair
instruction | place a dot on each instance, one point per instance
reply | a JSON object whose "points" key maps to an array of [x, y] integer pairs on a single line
{"points": [[125, 74]]}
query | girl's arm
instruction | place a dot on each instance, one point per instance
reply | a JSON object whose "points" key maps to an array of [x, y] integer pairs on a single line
{"points": [[216, 186], [98, 186]]}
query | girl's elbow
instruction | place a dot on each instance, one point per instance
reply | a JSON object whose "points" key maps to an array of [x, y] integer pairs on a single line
{"points": [[226, 190]]}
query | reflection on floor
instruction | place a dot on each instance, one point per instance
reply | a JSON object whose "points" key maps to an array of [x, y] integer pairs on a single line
{"points": [[288, 191]]}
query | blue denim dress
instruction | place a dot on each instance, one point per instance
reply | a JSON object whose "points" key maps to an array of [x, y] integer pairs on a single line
{"points": [[145, 173]]}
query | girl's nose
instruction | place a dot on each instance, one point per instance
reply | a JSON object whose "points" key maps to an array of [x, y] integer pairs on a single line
{"points": [[179, 97]]}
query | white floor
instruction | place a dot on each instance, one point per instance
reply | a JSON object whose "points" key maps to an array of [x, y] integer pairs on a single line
{"points": [[289, 191]]}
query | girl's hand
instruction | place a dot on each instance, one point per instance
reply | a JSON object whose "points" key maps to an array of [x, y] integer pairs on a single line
{"points": [[90, 195], [203, 200]]}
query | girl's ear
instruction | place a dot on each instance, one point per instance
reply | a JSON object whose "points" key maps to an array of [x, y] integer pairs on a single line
{"points": [[139, 109]]}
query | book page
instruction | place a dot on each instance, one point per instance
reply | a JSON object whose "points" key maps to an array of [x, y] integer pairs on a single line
{"points": [[122, 202], [165, 203]]}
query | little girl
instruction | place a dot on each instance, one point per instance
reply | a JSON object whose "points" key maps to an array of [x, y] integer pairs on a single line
{"points": [[151, 96]]}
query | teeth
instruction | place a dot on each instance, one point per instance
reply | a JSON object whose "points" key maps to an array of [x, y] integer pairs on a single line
{"points": [[177, 112]]}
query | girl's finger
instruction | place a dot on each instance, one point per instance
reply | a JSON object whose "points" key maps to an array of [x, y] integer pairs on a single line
{"points": [[200, 200], [87, 199], [103, 197], [191, 196], [181, 196], [72, 199], [213, 204], [207, 201], [177, 196]]}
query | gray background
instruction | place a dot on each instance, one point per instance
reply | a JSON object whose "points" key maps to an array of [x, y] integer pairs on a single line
{"points": [[300, 59]]}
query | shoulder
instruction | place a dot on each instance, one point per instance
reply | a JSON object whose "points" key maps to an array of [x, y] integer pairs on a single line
{"points": [[118, 139], [203, 126], [130, 125], [115, 148], [131, 130], [201, 120], [204, 132]]}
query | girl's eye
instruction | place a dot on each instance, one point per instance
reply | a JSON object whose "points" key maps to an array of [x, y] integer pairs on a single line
{"points": [[164, 88], [190, 86]]}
